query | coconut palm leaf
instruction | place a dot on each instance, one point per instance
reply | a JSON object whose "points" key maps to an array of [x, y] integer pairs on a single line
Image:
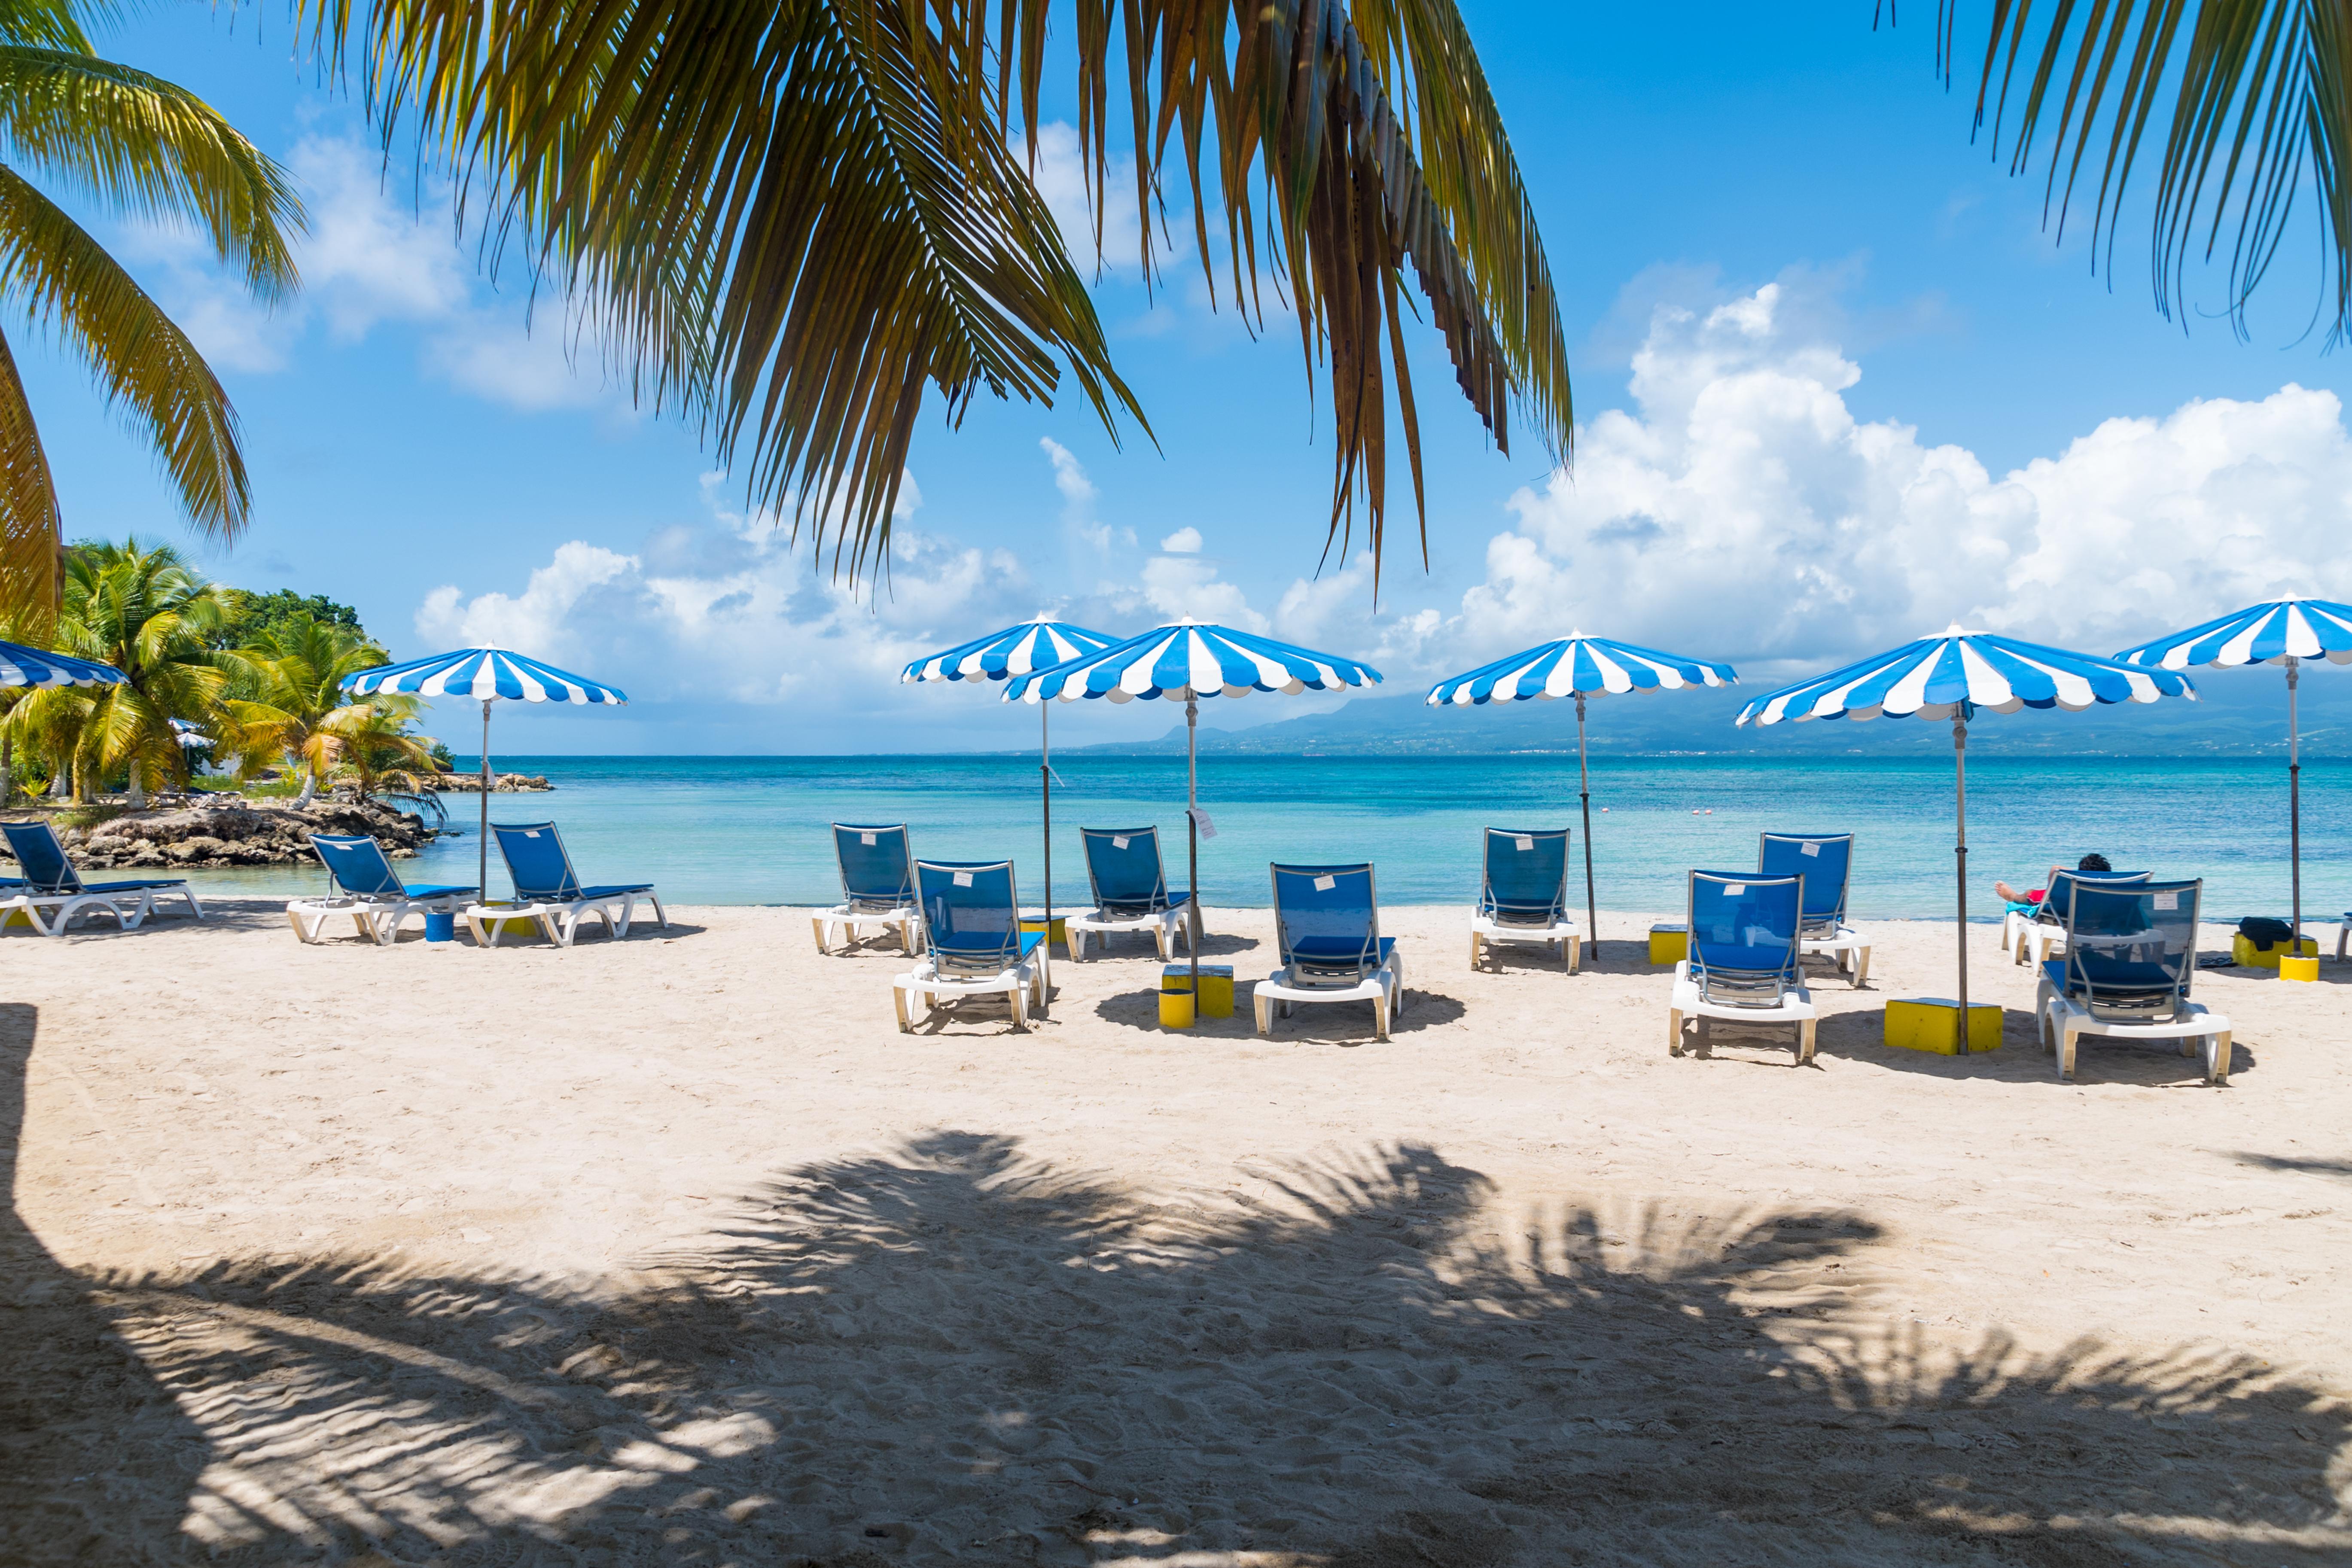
{"points": [[2251, 99], [153, 151], [796, 219]]}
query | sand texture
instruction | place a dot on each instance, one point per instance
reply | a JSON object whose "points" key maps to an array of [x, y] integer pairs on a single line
{"points": [[676, 1251]]}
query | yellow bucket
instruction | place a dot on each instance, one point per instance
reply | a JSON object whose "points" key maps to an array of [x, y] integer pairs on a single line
{"points": [[2298, 968], [1175, 1009]]}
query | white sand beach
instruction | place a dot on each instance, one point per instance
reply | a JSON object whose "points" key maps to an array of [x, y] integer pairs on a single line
{"points": [[675, 1250]]}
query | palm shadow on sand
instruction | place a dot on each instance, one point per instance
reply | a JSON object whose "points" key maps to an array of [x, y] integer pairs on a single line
{"points": [[954, 1352]]}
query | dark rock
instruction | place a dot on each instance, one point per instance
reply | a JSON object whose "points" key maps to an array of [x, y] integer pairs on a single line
{"points": [[239, 833]]}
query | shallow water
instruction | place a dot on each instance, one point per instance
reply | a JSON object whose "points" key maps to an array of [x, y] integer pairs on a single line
{"points": [[753, 830]]}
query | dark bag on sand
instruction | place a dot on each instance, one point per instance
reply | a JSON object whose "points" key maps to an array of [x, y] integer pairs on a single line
{"points": [[2264, 931]]}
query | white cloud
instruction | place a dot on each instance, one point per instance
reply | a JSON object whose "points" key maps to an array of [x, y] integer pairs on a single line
{"points": [[1184, 541], [1741, 509], [374, 258], [1077, 494]]}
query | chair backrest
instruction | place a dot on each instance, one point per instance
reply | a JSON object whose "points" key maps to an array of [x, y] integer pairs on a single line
{"points": [[1526, 874], [358, 866], [972, 913], [877, 863], [1743, 936], [2131, 951], [1123, 865], [41, 857], [535, 859], [1327, 922], [1822, 860], [2059, 897]]}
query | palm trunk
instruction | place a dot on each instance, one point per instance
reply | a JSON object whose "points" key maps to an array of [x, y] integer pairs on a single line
{"points": [[7, 769], [138, 785]]}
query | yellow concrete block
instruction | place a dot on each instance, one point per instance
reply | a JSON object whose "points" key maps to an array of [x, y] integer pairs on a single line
{"points": [[16, 918], [1175, 1009], [2246, 955], [1669, 944], [1216, 986], [2298, 968], [1931, 1023], [1059, 933]]}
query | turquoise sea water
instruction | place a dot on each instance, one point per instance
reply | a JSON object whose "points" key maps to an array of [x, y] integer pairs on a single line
{"points": [[753, 830]]}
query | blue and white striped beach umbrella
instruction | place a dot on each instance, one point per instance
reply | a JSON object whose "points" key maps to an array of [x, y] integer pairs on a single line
{"points": [[2283, 631], [483, 672], [21, 666], [489, 674], [1188, 660], [1184, 662], [1002, 656], [1015, 651], [1954, 676], [1579, 667]]}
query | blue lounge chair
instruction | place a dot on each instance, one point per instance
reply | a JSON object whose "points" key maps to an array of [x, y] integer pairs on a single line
{"points": [[1523, 893], [1825, 862], [2131, 953], [2043, 934], [971, 915], [877, 886], [51, 883], [1743, 966], [364, 886], [547, 890], [1326, 923], [1130, 888]]}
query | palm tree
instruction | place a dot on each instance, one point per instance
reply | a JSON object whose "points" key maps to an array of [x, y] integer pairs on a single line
{"points": [[373, 749], [149, 150], [295, 675], [140, 609], [2250, 98], [795, 220]]}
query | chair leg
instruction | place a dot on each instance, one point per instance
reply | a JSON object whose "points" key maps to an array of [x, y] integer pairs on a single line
{"points": [[2217, 1066], [1575, 946], [1381, 1015], [1805, 1043], [1018, 999], [1264, 1007], [2066, 1037], [1860, 966], [899, 1000], [1673, 1032]]}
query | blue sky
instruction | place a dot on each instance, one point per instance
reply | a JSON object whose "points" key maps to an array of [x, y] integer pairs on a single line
{"points": [[1836, 385]]}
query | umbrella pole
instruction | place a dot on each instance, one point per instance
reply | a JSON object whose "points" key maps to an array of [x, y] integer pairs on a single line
{"points": [[1192, 839], [1045, 792], [2294, 803], [1960, 850], [1584, 789], [482, 876]]}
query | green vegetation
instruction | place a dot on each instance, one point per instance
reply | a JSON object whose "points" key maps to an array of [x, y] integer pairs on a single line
{"points": [[261, 691], [139, 150]]}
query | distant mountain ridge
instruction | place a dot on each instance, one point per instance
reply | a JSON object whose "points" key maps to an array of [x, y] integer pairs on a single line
{"points": [[2239, 713]]}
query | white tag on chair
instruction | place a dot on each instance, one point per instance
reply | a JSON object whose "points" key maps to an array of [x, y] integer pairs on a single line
{"points": [[2168, 902], [530, 833], [1735, 889], [1808, 847], [865, 839], [1325, 884], [963, 879], [1524, 842], [1118, 843]]}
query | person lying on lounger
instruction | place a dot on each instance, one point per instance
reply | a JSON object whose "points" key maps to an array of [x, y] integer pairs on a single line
{"points": [[2091, 862]]}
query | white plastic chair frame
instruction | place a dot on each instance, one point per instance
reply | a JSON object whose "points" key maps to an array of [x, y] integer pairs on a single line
{"points": [[1022, 986], [379, 920], [561, 918]]}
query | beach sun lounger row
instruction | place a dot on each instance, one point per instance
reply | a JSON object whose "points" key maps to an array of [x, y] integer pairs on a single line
{"points": [[51, 887], [363, 887]]}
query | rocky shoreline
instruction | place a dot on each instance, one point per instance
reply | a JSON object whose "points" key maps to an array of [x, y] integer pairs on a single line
{"points": [[501, 783], [234, 832]]}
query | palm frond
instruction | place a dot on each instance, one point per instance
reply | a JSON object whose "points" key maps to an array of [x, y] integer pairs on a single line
{"points": [[142, 361], [2253, 105], [795, 221], [47, 24], [29, 579], [149, 150]]}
